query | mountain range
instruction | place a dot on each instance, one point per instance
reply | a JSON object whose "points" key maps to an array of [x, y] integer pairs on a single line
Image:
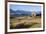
{"points": [[22, 13]]}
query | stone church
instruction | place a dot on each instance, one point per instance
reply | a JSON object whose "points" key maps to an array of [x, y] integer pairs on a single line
{"points": [[33, 13]]}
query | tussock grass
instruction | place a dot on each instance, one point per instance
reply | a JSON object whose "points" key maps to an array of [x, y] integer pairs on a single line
{"points": [[26, 22], [19, 26]]}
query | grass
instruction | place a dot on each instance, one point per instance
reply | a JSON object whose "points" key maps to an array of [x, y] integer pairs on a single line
{"points": [[33, 25], [28, 22]]}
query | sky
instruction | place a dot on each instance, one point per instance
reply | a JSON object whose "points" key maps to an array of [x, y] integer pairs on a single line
{"points": [[25, 7]]}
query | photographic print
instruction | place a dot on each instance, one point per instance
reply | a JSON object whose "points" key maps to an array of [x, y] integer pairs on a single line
{"points": [[24, 17]]}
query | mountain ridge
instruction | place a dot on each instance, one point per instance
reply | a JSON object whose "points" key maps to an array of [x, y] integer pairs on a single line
{"points": [[21, 12]]}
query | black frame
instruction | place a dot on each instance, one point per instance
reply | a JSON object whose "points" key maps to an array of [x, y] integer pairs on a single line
{"points": [[24, 2]]}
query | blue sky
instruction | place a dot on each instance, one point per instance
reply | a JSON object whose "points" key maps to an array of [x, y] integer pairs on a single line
{"points": [[25, 7]]}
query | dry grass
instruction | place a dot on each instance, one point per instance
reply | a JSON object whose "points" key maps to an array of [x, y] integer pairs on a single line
{"points": [[27, 21]]}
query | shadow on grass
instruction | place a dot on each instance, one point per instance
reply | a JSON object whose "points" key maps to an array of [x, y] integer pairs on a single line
{"points": [[20, 26]]}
